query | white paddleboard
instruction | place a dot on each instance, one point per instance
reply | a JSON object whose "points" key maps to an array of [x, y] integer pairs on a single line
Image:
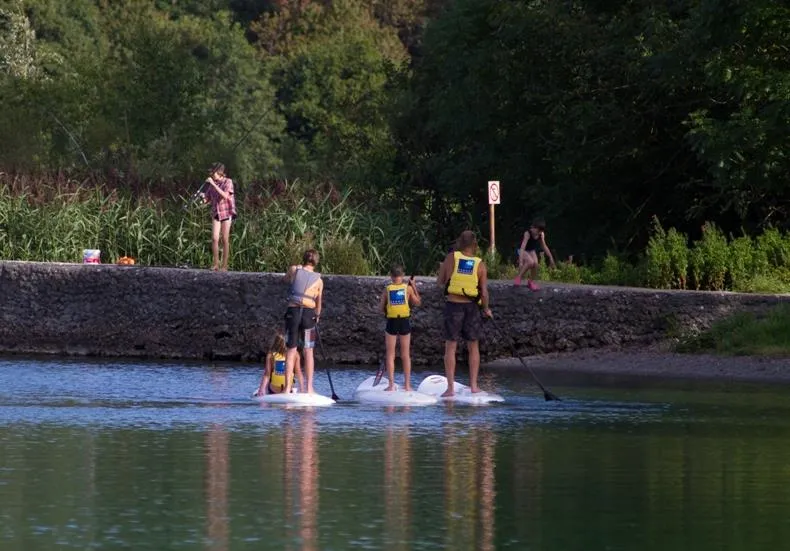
{"points": [[367, 393], [296, 399], [435, 385]]}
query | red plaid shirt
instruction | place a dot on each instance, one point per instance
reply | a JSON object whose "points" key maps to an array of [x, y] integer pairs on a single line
{"points": [[222, 208]]}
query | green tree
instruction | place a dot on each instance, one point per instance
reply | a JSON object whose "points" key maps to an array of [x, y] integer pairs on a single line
{"points": [[335, 68], [740, 135]]}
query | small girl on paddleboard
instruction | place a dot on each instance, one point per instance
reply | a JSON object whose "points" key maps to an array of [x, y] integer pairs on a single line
{"points": [[273, 381]]}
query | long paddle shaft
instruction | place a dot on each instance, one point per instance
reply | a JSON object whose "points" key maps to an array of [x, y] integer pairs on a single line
{"points": [[326, 364], [549, 396]]}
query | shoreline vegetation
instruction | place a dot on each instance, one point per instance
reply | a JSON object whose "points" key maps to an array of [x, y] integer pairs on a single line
{"points": [[637, 363], [652, 139], [56, 222], [42, 219]]}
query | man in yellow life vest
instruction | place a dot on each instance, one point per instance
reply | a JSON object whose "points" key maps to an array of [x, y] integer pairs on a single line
{"points": [[465, 280], [273, 380], [395, 302]]}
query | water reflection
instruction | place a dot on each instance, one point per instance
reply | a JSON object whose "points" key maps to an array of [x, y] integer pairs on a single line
{"points": [[217, 477], [301, 477], [470, 486], [397, 488], [217, 483]]}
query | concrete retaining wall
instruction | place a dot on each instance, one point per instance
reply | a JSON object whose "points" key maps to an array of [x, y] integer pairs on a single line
{"points": [[107, 310]]}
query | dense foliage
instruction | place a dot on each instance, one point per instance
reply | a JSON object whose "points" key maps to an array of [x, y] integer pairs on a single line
{"points": [[598, 116]]}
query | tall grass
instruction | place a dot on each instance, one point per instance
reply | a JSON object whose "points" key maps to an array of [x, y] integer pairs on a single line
{"points": [[48, 222], [55, 219], [745, 334]]}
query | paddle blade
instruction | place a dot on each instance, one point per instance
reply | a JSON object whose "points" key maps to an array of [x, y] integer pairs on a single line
{"points": [[549, 396], [379, 373]]}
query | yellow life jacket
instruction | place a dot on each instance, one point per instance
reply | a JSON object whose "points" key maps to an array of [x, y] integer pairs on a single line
{"points": [[398, 300], [463, 281], [277, 380]]}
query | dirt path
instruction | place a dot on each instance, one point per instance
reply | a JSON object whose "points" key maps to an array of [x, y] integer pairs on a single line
{"points": [[657, 362]]}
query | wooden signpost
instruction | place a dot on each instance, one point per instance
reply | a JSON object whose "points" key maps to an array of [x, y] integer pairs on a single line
{"points": [[494, 193]]}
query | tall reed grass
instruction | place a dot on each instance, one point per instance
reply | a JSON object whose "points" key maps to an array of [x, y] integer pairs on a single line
{"points": [[55, 221]]}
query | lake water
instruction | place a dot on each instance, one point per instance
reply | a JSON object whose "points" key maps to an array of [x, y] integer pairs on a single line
{"points": [[117, 455]]}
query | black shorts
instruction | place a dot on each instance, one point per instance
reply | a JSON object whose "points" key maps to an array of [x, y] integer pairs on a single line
{"points": [[231, 218], [299, 325], [398, 326], [462, 321]]}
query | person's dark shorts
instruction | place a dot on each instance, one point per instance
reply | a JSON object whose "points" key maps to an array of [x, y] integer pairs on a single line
{"points": [[462, 321], [398, 326], [299, 324], [231, 218]]}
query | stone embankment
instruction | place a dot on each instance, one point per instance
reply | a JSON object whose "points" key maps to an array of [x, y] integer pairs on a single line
{"points": [[134, 311]]}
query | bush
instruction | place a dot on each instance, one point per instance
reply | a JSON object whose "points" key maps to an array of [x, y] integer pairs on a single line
{"points": [[344, 256], [658, 259], [767, 284], [740, 262], [714, 254], [775, 248], [745, 333], [677, 248], [616, 271], [566, 272]]}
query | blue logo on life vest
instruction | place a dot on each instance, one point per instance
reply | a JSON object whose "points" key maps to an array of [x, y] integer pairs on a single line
{"points": [[279, 367], [397, 297], [466, 266]]}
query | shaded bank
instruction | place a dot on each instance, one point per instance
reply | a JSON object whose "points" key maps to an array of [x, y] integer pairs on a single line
{"points": [[600, 366], [136, 311]]}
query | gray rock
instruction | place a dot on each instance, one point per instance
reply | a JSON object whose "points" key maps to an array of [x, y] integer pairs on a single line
{"points": [[136, 311]]}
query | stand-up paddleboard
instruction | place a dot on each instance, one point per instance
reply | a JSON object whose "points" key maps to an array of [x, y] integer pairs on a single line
{"points": [[296, 399], [435, 385], [368, 393]]}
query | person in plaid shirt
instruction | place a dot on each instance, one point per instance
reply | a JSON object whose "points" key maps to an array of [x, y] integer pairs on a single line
{"points": [[223, 211]]}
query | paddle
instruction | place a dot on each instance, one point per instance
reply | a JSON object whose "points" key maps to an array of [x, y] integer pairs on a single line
{"points": [[546, 393], [326, 364], [379, 373]]}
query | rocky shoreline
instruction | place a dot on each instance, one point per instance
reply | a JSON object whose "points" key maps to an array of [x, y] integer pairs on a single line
{"points": [[169, 313], [656, 361]]}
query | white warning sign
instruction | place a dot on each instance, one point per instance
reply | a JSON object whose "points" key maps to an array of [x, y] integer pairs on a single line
{"points": [[494, 192]]}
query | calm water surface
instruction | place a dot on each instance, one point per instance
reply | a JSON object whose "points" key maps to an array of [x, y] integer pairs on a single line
{"points": [[111, 455]]}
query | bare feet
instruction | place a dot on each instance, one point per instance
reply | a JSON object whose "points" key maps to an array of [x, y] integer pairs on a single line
{"points": [[390, 388], [448, 394], [475, 389], [407, 388], [215, 268]]}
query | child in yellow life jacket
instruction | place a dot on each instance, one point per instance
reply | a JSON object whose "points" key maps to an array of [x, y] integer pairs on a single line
{"points": [[395, 302], [273, 381]]}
